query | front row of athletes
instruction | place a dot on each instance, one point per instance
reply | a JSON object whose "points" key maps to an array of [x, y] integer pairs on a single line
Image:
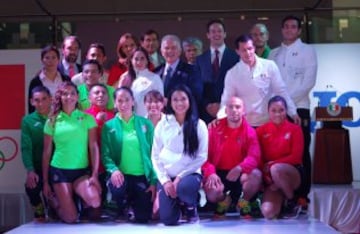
{"points": [[172, 158]]}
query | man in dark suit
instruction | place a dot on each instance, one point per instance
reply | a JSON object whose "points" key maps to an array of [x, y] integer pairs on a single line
{"points": [[213, 65], [175, 71], [150, 42], [70, 52]]}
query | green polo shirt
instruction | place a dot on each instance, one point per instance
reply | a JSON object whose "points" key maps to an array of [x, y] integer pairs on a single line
{"points": [[32, 138], [70, 136], [84, 101], [131, 160], [266, 52]]}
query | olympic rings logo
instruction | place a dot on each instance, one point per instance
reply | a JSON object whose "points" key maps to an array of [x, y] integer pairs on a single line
{"points": [[8, 152]]}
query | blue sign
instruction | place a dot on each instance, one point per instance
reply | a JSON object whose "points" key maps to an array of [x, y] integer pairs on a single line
{"points": [[325, 98]]}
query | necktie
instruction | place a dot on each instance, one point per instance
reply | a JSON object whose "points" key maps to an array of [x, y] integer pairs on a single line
{"points": [[215, 64], [71, 70], [167, 77], [168, 74]]}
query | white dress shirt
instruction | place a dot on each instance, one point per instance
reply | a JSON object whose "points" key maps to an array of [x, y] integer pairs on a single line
{"points": [[67, 66], [52, 85], [155, 59], [221, 50], [298, 67], [255, 86], [168, 157]]}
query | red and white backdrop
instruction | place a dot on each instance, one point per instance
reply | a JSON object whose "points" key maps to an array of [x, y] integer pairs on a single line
{"points": [[17, 67], [338, 80]]}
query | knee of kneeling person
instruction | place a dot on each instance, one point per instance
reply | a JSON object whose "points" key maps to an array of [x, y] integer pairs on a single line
{"points": [[214, 195], [70, 218], [95, 202], [268, 211]]}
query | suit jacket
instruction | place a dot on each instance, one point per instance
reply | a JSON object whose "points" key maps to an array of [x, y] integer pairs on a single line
{"points": [[62, 70], [213, 86], [184, 74], [160, 59]]}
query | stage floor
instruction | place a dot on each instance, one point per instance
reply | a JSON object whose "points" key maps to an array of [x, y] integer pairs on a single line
{"points": [[231, 225]]}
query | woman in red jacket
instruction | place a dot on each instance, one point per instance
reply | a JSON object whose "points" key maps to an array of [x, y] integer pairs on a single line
{"points": [[281, 143], [125, 47]]}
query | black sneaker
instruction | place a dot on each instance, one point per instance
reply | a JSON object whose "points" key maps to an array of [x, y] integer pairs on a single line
{"points": [[39, 213], [304, 203], [291, 209], [192, 214]]}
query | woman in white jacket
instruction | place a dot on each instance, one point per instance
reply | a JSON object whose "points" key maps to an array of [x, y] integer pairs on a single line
{"points": [[140, 79], [179, 149]]}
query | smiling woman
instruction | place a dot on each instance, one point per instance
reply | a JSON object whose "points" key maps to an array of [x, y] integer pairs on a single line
{"points": [[180, 148], [67, 167], [126, 142]]}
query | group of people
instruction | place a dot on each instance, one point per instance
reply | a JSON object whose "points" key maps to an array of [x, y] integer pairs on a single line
{"points": [[139, 131]]}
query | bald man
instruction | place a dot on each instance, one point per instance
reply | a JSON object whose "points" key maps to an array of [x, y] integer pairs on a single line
{"points": [[260, 36], [233, 161]]}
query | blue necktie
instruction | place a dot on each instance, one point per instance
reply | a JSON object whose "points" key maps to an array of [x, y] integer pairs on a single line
{"points": [[168, 73], [167, 78]]}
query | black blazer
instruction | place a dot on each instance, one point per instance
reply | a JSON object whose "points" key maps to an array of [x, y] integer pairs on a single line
{"points": [[213, 86], [184, 74], [62, 69]]}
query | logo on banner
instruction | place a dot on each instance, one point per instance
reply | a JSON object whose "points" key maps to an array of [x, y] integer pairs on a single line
{"points": [[327, 98], [333, 109], [8, 150]]}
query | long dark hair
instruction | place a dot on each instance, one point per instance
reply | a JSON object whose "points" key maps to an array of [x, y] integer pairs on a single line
{"points": [[57, 104], [131, 71], [191, 139]]}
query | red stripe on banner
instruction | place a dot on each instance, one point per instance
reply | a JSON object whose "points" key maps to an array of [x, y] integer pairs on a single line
{"points": [[12, 104]]}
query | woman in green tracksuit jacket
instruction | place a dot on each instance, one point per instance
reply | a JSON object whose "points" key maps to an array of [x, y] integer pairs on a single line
{"points": [[126, 142]]}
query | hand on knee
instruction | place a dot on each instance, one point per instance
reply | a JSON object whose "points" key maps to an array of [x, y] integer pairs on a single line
{"points": [[214, 195]]}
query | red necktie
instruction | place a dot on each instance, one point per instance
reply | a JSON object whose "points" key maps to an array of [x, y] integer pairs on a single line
{"points": [[215, 64], [71, 70]]}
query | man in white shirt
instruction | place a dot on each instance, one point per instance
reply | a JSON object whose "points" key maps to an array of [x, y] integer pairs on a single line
{"points": [[297, 63], [255, 80]]}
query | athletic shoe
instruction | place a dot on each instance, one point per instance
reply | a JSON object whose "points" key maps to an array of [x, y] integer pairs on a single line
{"points": [[39, 213], [192, 214], [303, 203], [222, 207], [250, 209], [291, 209], [244, 208]]}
